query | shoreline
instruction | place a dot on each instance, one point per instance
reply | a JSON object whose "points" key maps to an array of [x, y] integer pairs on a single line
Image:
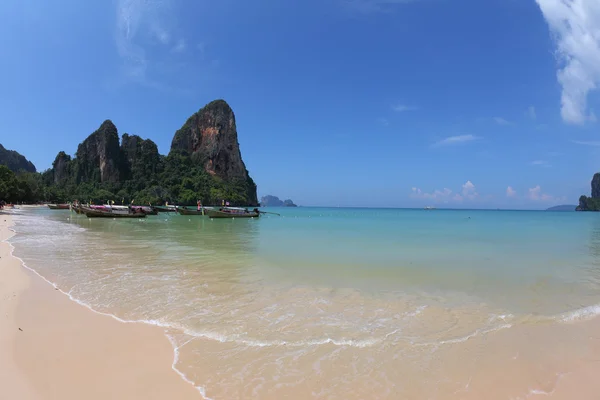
{"points": [[52, 346], [53, 323]]}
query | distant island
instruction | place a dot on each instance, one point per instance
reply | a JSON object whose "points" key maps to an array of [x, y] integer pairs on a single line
{"points": [[274, 201], [591, 203], [204, 163], [565, 207]]}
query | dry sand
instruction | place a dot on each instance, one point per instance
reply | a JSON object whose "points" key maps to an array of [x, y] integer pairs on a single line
{"points": [[54, 348]]}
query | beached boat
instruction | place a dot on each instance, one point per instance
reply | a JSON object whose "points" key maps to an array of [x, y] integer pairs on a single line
{"points": [[59, 206], [165, 208], [231, 212], [103, 213]]}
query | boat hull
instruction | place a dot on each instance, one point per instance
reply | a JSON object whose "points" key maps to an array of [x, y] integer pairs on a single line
{"points": [[231, 214], [58, 206], [98, 213], [165, 208], [190, 211]]}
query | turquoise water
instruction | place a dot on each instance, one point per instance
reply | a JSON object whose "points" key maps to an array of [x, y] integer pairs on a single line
{"points": [[295, 294]]}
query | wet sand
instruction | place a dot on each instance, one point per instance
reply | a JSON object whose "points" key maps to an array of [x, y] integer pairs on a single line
{"points": [[54, 348]]}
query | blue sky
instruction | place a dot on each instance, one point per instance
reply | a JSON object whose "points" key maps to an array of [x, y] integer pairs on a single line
{"points": [[451, 103]]}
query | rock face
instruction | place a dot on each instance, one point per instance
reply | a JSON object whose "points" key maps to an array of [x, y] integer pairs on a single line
{"points": [[289, 203], [15, 161], [273, 201], [61, 167], [99, 157], [596, 186], [141, 155], [210, 138], [204, 163]]}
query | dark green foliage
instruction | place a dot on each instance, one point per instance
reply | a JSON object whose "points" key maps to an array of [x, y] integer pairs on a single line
{"points": [[588, 204], [151, 179], [15, 161], [204, 164], [591, 203]]}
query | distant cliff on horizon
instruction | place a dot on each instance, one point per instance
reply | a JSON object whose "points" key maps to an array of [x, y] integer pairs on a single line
{"points": [[274, 201], [591, 203], [15, 161], [204, 163]]}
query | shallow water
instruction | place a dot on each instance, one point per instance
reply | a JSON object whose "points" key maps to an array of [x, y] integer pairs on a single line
{"points": [[342, 303]]}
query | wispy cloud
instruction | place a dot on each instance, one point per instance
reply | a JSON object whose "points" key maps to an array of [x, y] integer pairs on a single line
{"points": [[403, 108], [456, 140], [373, 6], [468, 192], [180, 46], [140, 24], [531, 113], [501, 121], [437, 195], [575, 25], [510, 192], [587, 143], [383, 121], [535, 194], [540, 163]]}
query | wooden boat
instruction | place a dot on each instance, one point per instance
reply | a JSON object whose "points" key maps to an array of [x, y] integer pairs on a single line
{"points": [[59, 206], [100, 213], [191, 211], [148, 210], [76, 209], [165, 208], [231, 212]]}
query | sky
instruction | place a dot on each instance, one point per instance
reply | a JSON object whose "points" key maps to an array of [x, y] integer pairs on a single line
{"points": [[383, 103]]}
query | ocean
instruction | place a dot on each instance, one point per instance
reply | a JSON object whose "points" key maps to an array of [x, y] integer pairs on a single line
{"points": [[342, 303]]}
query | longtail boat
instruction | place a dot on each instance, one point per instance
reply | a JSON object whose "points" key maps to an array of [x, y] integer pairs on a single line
{"points": [[165, 208], [100, 213], [232, 212], [191, 211], [148, 210], [59, 206]]}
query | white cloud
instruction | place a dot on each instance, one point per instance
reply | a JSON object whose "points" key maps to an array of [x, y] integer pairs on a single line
{"points": [[446, 195], [456, 140], [575, 25], [531, 113], [469, 191], [403, 108], [587, 143], [436, 195], [540, 163], [535, 194], [510, 192], [501, 121]]}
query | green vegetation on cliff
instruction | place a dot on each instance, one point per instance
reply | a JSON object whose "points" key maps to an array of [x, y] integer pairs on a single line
{"points": [[207, 167], [15, 161], [591, 203]]}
